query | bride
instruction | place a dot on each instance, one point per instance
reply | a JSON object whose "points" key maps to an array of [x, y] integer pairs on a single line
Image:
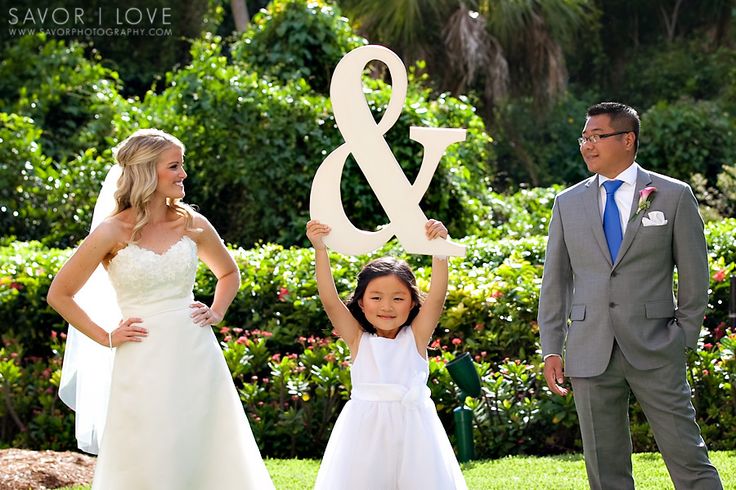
{"points": [[163, 411]]}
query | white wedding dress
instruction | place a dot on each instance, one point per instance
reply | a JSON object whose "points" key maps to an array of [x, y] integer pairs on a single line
{"points": [[174, 419]]}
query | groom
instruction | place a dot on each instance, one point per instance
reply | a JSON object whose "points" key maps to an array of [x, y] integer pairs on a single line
{"points": [[607, 296]]}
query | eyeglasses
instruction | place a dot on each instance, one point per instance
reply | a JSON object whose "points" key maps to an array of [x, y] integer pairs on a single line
{"points": [[595, 138]]}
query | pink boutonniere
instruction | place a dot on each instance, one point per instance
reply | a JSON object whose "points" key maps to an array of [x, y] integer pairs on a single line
{"points": [[645, 200]]}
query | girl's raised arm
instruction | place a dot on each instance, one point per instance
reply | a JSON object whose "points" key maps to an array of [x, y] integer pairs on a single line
{"points": [[346, 326], [431, 310]]}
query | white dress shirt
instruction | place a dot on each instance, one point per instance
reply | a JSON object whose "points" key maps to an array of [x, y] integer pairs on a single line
{"points": [[624, 195]]}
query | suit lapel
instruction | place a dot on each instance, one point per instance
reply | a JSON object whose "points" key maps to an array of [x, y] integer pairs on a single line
{"points": [[591, 204], [643, 179]]}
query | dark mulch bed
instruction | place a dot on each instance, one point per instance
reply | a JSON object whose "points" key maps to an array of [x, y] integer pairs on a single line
{"points": [[21, 469]]}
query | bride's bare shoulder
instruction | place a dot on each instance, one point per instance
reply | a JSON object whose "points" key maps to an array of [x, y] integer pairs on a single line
{"points": [[112, 235], [117, 227]]}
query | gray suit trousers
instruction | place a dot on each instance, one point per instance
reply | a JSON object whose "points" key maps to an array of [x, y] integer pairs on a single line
{"points": [[602, 403]]}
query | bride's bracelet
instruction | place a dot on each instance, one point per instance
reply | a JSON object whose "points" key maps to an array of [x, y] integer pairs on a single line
{"points": [[109, 339]]}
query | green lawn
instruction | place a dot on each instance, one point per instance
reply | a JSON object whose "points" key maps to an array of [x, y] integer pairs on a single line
{"points": [[516, 472]]}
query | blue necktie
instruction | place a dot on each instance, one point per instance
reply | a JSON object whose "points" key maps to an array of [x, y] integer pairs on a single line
{"points": [[612, 219]]}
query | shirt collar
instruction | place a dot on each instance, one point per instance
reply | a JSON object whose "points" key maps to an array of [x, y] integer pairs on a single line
{"points": [[628, 175]]}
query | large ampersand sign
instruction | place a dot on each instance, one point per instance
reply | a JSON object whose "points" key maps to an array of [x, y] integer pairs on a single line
{"points": [[364, 139]]}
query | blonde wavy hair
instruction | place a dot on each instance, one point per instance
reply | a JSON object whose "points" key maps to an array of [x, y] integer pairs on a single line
{"points": [[137, 155]]}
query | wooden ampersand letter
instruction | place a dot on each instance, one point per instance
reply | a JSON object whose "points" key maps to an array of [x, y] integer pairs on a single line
{"points": [[364, 139]]}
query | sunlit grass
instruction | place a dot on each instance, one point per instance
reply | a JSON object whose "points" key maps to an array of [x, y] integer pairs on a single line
{"points": [[516, 472]]}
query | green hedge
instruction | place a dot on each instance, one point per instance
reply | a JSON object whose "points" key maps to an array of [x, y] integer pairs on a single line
{"points": [[686, 137], [291, 375]]}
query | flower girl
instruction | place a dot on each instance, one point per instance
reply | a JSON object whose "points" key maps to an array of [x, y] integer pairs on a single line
{"points": [[388, 436]]}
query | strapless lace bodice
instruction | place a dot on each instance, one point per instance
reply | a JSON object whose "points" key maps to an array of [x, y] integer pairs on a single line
{"points": [[143, 278]]}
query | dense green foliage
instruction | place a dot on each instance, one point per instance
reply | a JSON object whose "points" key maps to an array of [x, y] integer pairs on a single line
{"points": [[39, 198], [159, 41], [540, 147], [690, 70], [685, 137], [297, 39], [63, 113], [75, 100]]}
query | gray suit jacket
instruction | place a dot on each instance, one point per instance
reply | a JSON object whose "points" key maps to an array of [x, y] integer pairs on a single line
{"points": [[586, 301]]}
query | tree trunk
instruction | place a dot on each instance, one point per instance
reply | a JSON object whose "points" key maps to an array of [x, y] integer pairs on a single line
{"points": [[670, 21], [240, 15]]}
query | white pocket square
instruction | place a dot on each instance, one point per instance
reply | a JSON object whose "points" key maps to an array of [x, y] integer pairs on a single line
{"points": [[654, 218]]}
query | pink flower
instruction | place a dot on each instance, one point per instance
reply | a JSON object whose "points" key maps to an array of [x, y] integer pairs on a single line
{"points": [[54, 334], [720, 276], [276, 357], [224, 330], [237, 330], [645, 199], [435, 344], [707, 346], [456, 341], [283, 293], [496, 294], [645, 192]]}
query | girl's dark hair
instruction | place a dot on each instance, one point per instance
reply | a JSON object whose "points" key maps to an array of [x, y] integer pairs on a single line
{"points": [[383, 267]]}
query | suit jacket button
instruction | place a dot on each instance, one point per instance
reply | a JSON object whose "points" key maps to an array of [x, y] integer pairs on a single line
{"points": [[612, 305]]}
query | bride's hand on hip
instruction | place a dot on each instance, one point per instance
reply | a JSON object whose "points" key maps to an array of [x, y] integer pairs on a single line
{"points": [[203, 315], [127, 331]]}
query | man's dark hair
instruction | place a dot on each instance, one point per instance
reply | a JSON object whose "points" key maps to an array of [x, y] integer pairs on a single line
{"points": [[623, 117]]}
